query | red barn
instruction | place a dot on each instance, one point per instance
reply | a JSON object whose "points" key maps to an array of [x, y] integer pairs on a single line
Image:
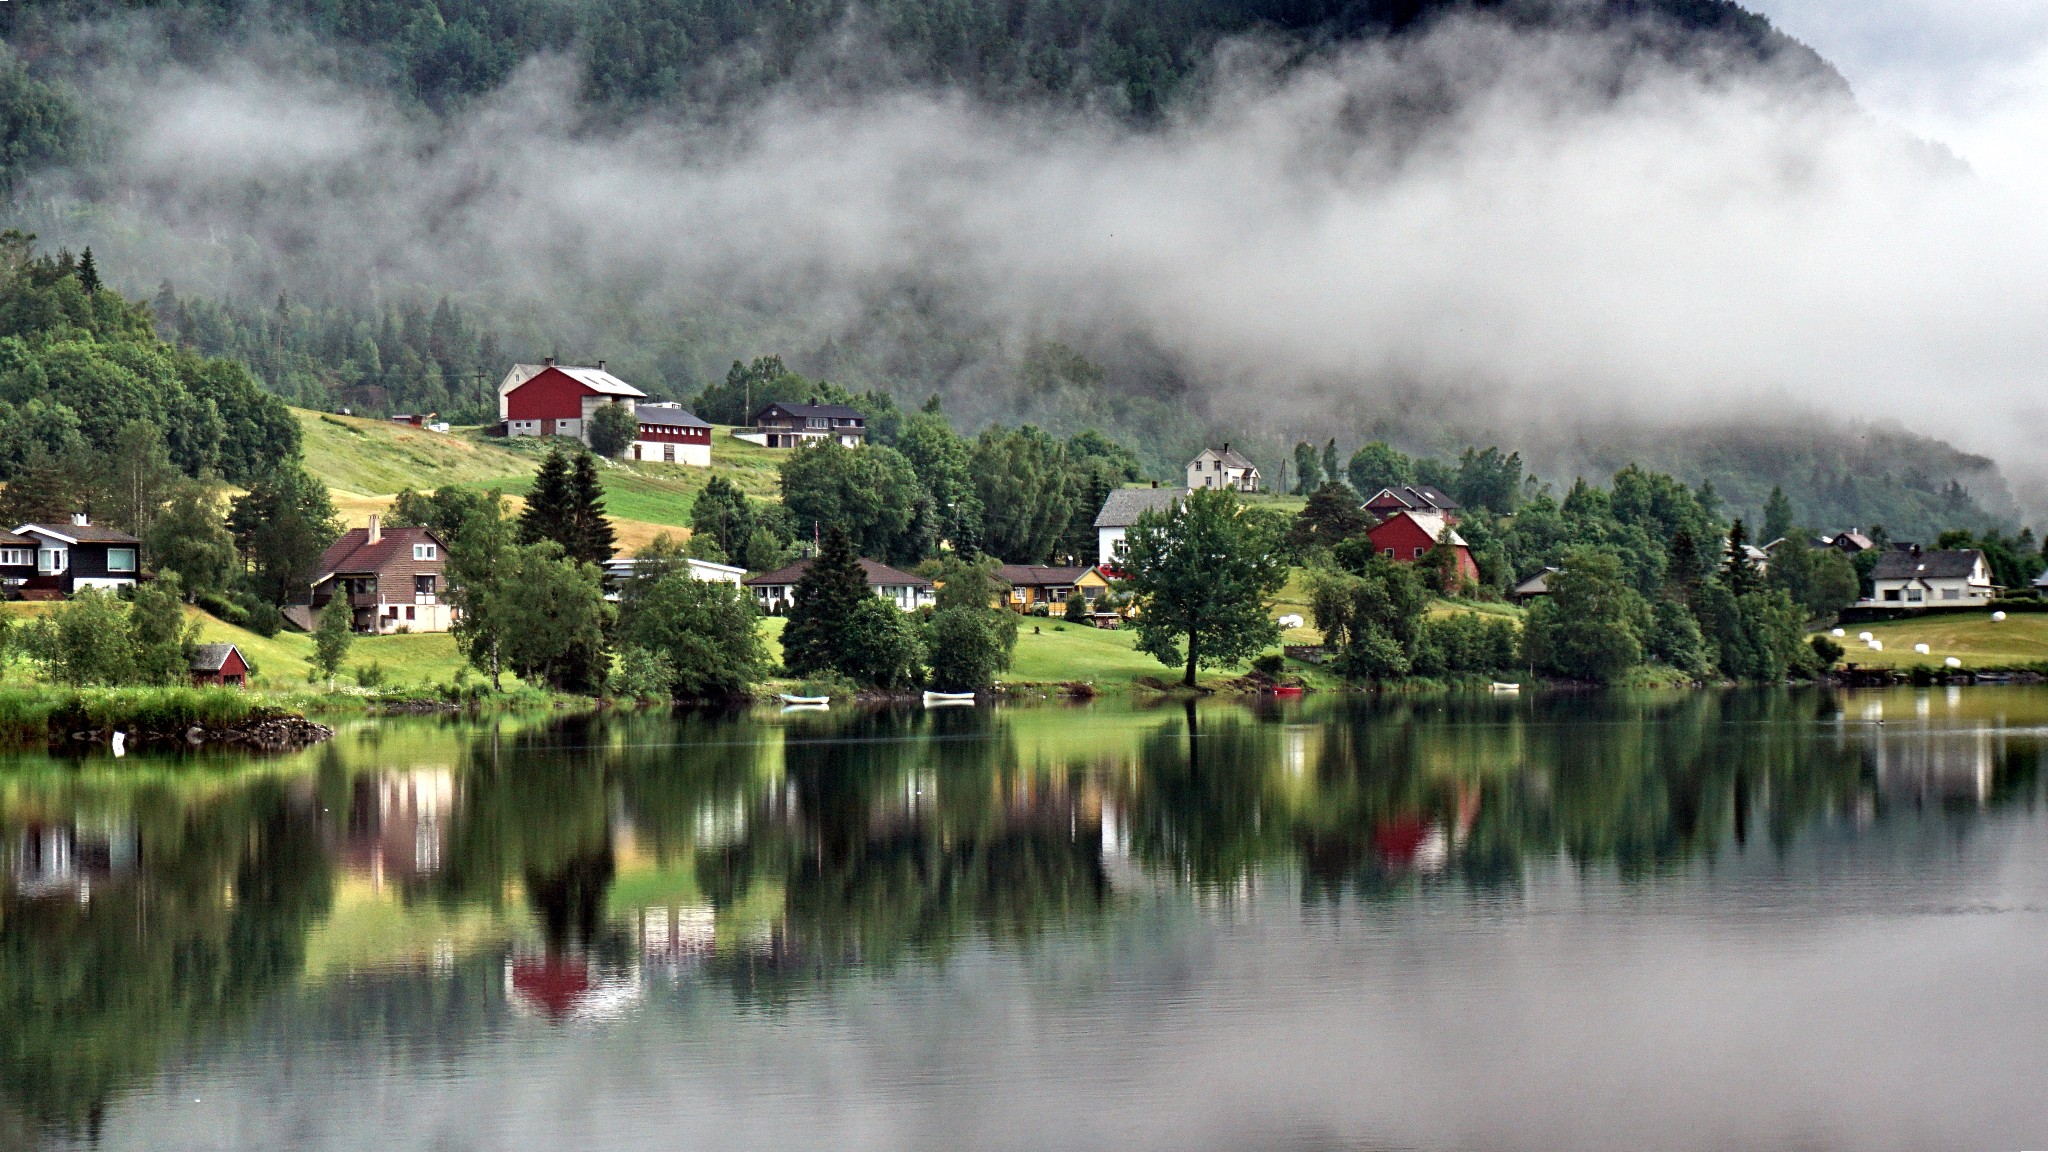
{"points": [[1408, 537], [550, 399], [219, 664]]}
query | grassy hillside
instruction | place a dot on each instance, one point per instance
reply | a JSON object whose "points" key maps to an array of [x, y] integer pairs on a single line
{"points": [[366, 463], [1973, 638]]}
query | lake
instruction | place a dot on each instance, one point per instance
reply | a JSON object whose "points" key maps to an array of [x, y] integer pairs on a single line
{"points": [[1806, 919]]}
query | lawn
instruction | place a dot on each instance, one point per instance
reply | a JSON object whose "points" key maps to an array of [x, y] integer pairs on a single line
{"points": [[380, 457], [1974, 638], [1058, 652]]}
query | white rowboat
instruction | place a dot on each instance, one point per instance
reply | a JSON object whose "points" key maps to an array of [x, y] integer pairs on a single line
{"points": [[937, 698], [813, 701], [1499, 687]]}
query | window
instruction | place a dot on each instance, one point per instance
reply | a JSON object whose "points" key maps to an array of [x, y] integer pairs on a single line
{"points": [[1388, 553], [425, 552], [1891, 593], [1418, 553], [120, 559], [51, 559], [17, 557], [1915, 596], [423, 585], [668, 453], [409, 610], [1951, 594]]}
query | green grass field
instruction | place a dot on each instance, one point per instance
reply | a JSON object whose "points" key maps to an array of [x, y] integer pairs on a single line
{"points": [[1973, 638]]}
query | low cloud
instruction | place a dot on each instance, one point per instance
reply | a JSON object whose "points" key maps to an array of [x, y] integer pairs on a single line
{"points": [[1524, 228]]}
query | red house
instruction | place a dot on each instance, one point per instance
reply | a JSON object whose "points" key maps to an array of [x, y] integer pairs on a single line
{"points": [[219, 664], [550, 399], [1408, 537]]}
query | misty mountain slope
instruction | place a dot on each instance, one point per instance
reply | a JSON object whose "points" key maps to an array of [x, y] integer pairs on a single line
{"points": [[1182, 223], [1135, 57]]}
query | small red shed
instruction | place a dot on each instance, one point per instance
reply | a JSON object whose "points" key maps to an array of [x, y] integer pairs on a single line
{"points": [[220, 665], [1408, 537]]}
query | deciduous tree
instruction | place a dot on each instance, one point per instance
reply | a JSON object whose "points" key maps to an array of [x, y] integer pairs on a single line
{"points": [[1201, 573]]}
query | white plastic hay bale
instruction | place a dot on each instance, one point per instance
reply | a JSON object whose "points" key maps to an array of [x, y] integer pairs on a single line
{"points": [[1997, 616], [1841, 632], [1865, 637], [1289, 621], [1953, 662], [1875, 645], [1922, 649]]}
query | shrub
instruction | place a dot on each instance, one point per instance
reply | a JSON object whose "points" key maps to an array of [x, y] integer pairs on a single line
{"points": [[1829, 652], [264, 619], [643, 675], [223, 609], [1271, 664], [1077, 608], [369, 675]]}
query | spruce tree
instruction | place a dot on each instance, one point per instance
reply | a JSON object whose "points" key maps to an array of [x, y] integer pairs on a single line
{"points": [[591, 537], [1778, 516], [1737, 572], [830, 590], [88, 273], [547, 504]]}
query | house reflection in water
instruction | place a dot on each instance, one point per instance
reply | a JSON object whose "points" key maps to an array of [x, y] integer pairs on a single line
{"points": [[397, 824], [67, 859], [1932, 765]]}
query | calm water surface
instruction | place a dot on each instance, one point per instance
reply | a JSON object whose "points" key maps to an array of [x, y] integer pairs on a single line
{"points": [[1627, 921]]}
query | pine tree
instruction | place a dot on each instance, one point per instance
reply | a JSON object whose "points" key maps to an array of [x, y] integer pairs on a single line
{"points": [[88, 273], [1682, 566], [591, 537], [1778, 516], [547, 505], [831, 588], [1736, 570]]}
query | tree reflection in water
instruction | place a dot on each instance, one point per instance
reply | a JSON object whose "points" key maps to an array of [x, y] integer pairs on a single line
{"points": [[587, 861]]}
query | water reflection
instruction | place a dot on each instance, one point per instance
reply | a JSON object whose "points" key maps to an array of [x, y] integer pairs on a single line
{"points": [[443, 879]]}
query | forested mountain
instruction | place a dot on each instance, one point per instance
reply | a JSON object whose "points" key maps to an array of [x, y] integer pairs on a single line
{"points": [[1137, 57]]}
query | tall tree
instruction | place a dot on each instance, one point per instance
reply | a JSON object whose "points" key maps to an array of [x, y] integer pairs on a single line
{"points": [[1377, 465], [831, 588], [480, 549], [1592, 626], [191, 539], [708, 632], [1779, 519], [1738, 571], [282, 525], [550, 502], [1331, 469], [1200, 574], [871, 493], [1331, 516], [591, 539], [1308, 469], [612, 429], [333, 637], [1027, 493], [723, 514], [943, 462], [554, 618], [139, 478]]}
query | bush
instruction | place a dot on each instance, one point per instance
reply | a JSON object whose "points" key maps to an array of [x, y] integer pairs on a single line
{"points": [[1829, 652], [222, 608], [643, 675], [1271, 664], [882, 648], [264, 619], [369, 675], [1077, 608], [968, 646]]}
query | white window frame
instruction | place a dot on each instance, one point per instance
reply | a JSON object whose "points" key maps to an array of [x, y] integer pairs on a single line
{"points": [[133, 560], [53, 560], [425, 552], [17, 557]]}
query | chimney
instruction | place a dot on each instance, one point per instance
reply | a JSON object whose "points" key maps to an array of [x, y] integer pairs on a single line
{"points": [[376, 529], [600, 365], [81, 519], [548, 361], [1226, 447], [1155, 483]]}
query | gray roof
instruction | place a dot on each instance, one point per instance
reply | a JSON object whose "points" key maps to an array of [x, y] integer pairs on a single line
{"points": [[1230, 457], [81, 533], [669, 416], [1537, 585], [1125, 505], [835, 411], [877, 573], [210, 657], [1417, 497], [1953, 565]]}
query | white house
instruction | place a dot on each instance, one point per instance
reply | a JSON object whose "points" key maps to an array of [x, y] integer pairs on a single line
{"points": [[776, 590], [1120, 511], [1913, 578], [619, 569], [671, 434], [1225, 469]]}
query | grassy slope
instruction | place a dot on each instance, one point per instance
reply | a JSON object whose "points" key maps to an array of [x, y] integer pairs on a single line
{"points": [[1972, 638], [367, 462]]}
